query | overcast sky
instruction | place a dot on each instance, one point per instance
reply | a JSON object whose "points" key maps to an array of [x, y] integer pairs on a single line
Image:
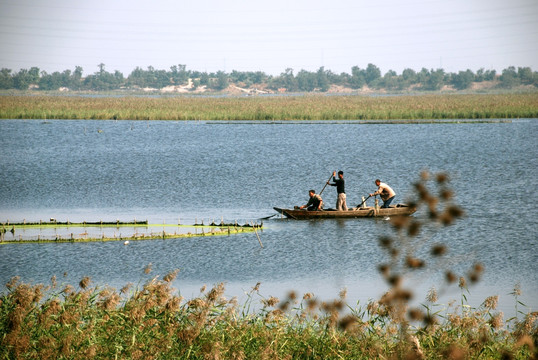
{"points": [[268, 36]]}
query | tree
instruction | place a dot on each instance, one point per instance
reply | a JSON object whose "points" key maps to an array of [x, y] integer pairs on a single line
{"points": [[389, 80], [238, 77], [286, 80], [162, 79], [136, 77], [480, 75], [34, 74], [372, 74], [258, 77], [220, 82], [204, 79], [22, 80], [305, 80], [76, 78], [302, 81], [410, 76], [358, 78], [435, 80], [118, 78], [463, 79], [490, 75], [342, 79], [525, 75], [509, 78], [6, 80], [423, 76], [50, 81], [179, 74], [65, 79], [322, 79], [103, 80]]}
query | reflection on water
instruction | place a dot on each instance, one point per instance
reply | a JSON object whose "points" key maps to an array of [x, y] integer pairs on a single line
{"points": [[162, 171]]}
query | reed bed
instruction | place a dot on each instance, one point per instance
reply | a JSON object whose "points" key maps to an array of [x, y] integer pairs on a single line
{"points": [[153, 320], [307, 107]]}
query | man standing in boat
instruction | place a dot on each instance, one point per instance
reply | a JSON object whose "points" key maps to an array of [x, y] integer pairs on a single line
{"points": [[340, 189], [386, 192], [315, 202]]}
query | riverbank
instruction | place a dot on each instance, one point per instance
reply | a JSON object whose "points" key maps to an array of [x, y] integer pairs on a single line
{"points": [[296, 107]]}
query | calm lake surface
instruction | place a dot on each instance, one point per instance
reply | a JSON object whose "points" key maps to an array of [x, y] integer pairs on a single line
{"points": [[164, 171]]}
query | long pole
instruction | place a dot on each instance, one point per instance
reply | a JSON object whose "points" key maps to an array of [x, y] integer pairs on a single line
{"points": [[326, 184], [258, 236]]}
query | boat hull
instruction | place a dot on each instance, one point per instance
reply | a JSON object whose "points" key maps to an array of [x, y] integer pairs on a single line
{"points": [[298, 214]]}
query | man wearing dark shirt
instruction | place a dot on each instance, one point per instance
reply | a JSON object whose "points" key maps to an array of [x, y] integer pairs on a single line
{"points": [[340, 189], [315, 203]]}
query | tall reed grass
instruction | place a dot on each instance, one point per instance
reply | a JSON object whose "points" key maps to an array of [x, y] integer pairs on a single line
{"points": [[153, 321], [308, 107]]}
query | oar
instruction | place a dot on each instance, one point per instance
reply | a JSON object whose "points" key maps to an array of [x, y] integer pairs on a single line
{"points": [[363, 201], [330, 177]]}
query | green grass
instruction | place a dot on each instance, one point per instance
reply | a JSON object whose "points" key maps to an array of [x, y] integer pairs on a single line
{"points": [[307, 107]]}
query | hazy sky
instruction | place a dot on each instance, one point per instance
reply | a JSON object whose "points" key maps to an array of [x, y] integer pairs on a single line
{"points": [[268, 36]]}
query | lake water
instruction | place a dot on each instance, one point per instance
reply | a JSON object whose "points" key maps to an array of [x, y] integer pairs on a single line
{"points": [[165, 170]]}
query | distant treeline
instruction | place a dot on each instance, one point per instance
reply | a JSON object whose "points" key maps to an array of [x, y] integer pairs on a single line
{"points": [[320, 80]]}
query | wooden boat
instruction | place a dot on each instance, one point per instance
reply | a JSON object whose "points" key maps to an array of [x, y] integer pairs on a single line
{"points": [[358, 212]]}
